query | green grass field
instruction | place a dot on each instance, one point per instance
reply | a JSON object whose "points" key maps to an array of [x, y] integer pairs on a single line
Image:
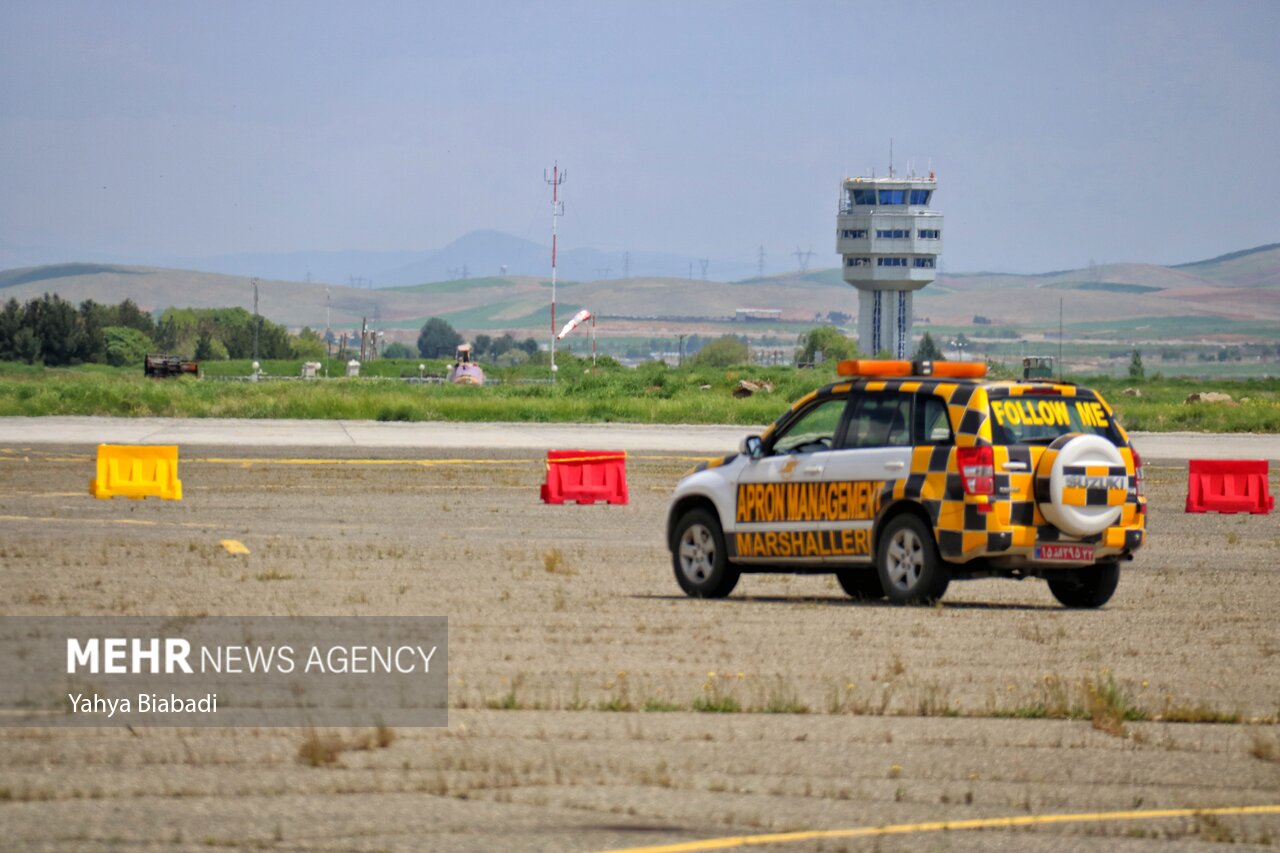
{"points": [[651, 393]]}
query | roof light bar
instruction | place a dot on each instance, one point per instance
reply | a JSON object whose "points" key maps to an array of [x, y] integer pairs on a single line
{"points": [[890, 368]]}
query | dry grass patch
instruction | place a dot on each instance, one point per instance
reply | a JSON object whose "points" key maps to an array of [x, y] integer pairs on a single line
{"points": [[325, 749]]}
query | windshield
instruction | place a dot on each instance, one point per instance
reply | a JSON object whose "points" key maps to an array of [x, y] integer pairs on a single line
{"points": [[1040, 418]]}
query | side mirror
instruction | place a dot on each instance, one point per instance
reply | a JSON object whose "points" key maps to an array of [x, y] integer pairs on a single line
{"points": [[751, 447]]}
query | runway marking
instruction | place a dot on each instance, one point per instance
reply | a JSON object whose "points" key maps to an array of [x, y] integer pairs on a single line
{"points": [[727, 843], [141, 522]]}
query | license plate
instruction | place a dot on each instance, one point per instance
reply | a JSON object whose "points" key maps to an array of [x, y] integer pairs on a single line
{"points": [[1065, 553]]}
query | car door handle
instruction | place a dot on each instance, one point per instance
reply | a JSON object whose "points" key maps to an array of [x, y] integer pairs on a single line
{"points": [[1014, 466], [813, 469], [894, 466]]}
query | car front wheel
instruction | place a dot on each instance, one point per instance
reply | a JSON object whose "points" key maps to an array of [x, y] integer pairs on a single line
{"points": [[911, 572], [701, 565]]}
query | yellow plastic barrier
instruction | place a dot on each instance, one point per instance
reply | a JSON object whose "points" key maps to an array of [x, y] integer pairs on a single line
{"points": [[137, 471]]}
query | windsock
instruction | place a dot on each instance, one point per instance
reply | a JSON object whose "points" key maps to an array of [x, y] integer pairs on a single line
{"points": [[578, 318]]}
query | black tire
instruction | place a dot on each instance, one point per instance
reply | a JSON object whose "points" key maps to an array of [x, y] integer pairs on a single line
{"points": [[701, 565], [862, 584], [1089, 588], [907, 562]]}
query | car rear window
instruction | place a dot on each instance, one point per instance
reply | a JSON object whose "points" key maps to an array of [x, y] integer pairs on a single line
{"points": [[1040, 418]]}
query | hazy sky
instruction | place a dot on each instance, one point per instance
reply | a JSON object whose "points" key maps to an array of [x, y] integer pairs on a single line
{"points": [[1061, 131]]}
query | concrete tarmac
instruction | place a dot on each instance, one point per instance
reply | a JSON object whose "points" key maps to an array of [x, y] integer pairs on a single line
{"points": [[708, 439]]}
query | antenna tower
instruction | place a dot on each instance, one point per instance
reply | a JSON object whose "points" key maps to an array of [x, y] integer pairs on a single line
{"points": [[704, 263], [557, 210]]}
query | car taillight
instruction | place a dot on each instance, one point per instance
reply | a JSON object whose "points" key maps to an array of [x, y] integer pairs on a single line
{"points": [[1137, 470], [977, 470]]}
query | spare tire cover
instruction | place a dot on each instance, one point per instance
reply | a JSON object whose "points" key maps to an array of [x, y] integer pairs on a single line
{"points": [[1081, 484]]}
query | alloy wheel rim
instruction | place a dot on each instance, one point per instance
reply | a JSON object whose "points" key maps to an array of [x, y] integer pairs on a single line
{"points": [[697, 553], [906, 559]]}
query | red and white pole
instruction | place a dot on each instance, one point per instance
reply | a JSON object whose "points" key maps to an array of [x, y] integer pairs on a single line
{"points": [[557, 210]]}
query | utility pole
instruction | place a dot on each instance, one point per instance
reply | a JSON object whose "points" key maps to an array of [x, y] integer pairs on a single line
{"points": [[760, 262], [626, 265], [557, 210], [704, 263], [257, 321], [680, 358]]}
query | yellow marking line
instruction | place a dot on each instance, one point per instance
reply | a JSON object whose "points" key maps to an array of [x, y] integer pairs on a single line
{"points": [[939, 826]]}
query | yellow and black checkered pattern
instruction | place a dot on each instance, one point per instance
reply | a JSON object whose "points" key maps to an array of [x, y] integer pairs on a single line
{"points": [[1010, 520], [965, 526]]}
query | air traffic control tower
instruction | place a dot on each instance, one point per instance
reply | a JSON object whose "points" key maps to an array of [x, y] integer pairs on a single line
{"points": [[890, 241]]}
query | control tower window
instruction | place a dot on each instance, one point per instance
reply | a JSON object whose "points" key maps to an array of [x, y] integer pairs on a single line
{"points": [[928, 233], [864, 196], [854, 233], [923, 263], [857, 262], [893, 196], [893, 233], [921, 197], [891, 262]]}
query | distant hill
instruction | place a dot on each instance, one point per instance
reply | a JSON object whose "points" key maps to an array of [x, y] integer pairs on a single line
{"points": [[1238, 293], [484, 252]]}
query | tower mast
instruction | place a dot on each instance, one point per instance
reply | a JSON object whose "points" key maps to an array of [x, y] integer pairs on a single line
{"points": [[557, 210]]}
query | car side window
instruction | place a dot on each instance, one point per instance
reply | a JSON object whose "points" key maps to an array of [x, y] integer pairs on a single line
{"points": [[814, 430], [933, 424], [880, 420]]}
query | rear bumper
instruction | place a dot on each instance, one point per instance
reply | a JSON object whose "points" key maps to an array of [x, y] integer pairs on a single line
{"points": [[1017, 544]]}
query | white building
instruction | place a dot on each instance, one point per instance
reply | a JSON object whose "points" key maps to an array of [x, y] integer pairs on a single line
{"points": [[889, 241]]}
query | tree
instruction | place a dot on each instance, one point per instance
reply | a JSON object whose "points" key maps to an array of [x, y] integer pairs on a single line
{"points": [[1136, 372], [308, 345], [209, 348], [26, 345], [437, 339], [827, 340], [482, 344], [395, 349], [928, 350], [10, 325], [58, 327], [129, 314], [126, 346], [724, 351]]}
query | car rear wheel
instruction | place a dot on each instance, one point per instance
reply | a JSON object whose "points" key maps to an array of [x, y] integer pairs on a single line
{"points": [[862, 584], [1088, 588], [910, 570], [701, 565]]}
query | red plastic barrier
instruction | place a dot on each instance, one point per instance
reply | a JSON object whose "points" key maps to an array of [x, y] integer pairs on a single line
{"points": [[1229, 486], [586, 476]]}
